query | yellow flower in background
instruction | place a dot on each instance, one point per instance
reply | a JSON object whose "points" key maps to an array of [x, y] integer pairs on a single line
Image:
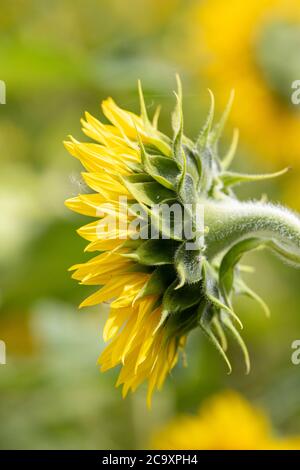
{"points": [[148, 15], [224, 422], [253, 47]]}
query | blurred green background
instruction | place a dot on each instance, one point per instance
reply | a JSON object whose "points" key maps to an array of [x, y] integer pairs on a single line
{"points": [[59, 58]]}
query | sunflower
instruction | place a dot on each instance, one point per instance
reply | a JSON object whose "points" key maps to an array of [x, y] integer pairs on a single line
{"points": [[156, 259], [224, 422], [254, 47]]}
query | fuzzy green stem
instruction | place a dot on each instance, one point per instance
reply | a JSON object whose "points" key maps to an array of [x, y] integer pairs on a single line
{"points": [[231, 221]]}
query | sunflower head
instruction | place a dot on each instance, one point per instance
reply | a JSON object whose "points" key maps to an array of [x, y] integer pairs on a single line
{"points": [[169, 234]]}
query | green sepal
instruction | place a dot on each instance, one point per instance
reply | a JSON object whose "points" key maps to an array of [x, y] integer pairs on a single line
{"points": [[229, 261], [163, 169], [177, 124], [177, 300], [187, 192], [205, 325], [188, 264], [216, 325], [213, 293], [149, 192], [150, 166], [138, 178], [206, 177], [139, 268], [243, 289], [143, 109], [193, 163], [159, 281], [135, 167], [161, 143], [184, 321], [229, 178], [186, 186], [167, 226], [132, 244], [229, 325], [219, 127], [154, 252], [285, 252], [227, 160], [204, 133]]}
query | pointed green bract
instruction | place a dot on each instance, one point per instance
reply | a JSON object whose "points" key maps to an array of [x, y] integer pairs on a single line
{"points": [[188, 265], [228, 158], [219, 127], [230, 178], [205, 131], [176, 300], [155, 252], [159, 281]]}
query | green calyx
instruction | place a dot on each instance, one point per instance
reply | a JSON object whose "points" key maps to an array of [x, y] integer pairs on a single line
{"points": [[196, 272]]}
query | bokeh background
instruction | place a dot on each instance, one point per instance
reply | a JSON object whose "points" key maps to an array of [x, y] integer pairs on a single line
{"points": [[60, 58]]}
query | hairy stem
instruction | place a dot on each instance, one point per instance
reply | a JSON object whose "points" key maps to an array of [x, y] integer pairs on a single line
{"points": [[231, 221]]}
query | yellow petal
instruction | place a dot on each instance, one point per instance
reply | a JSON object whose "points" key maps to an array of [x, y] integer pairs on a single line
{"points": [[86, 205], [110, 290], [106, 184]]}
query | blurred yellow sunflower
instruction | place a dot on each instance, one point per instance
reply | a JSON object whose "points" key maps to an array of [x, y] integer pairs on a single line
{"points": [[253, 47], [224, 422]]}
